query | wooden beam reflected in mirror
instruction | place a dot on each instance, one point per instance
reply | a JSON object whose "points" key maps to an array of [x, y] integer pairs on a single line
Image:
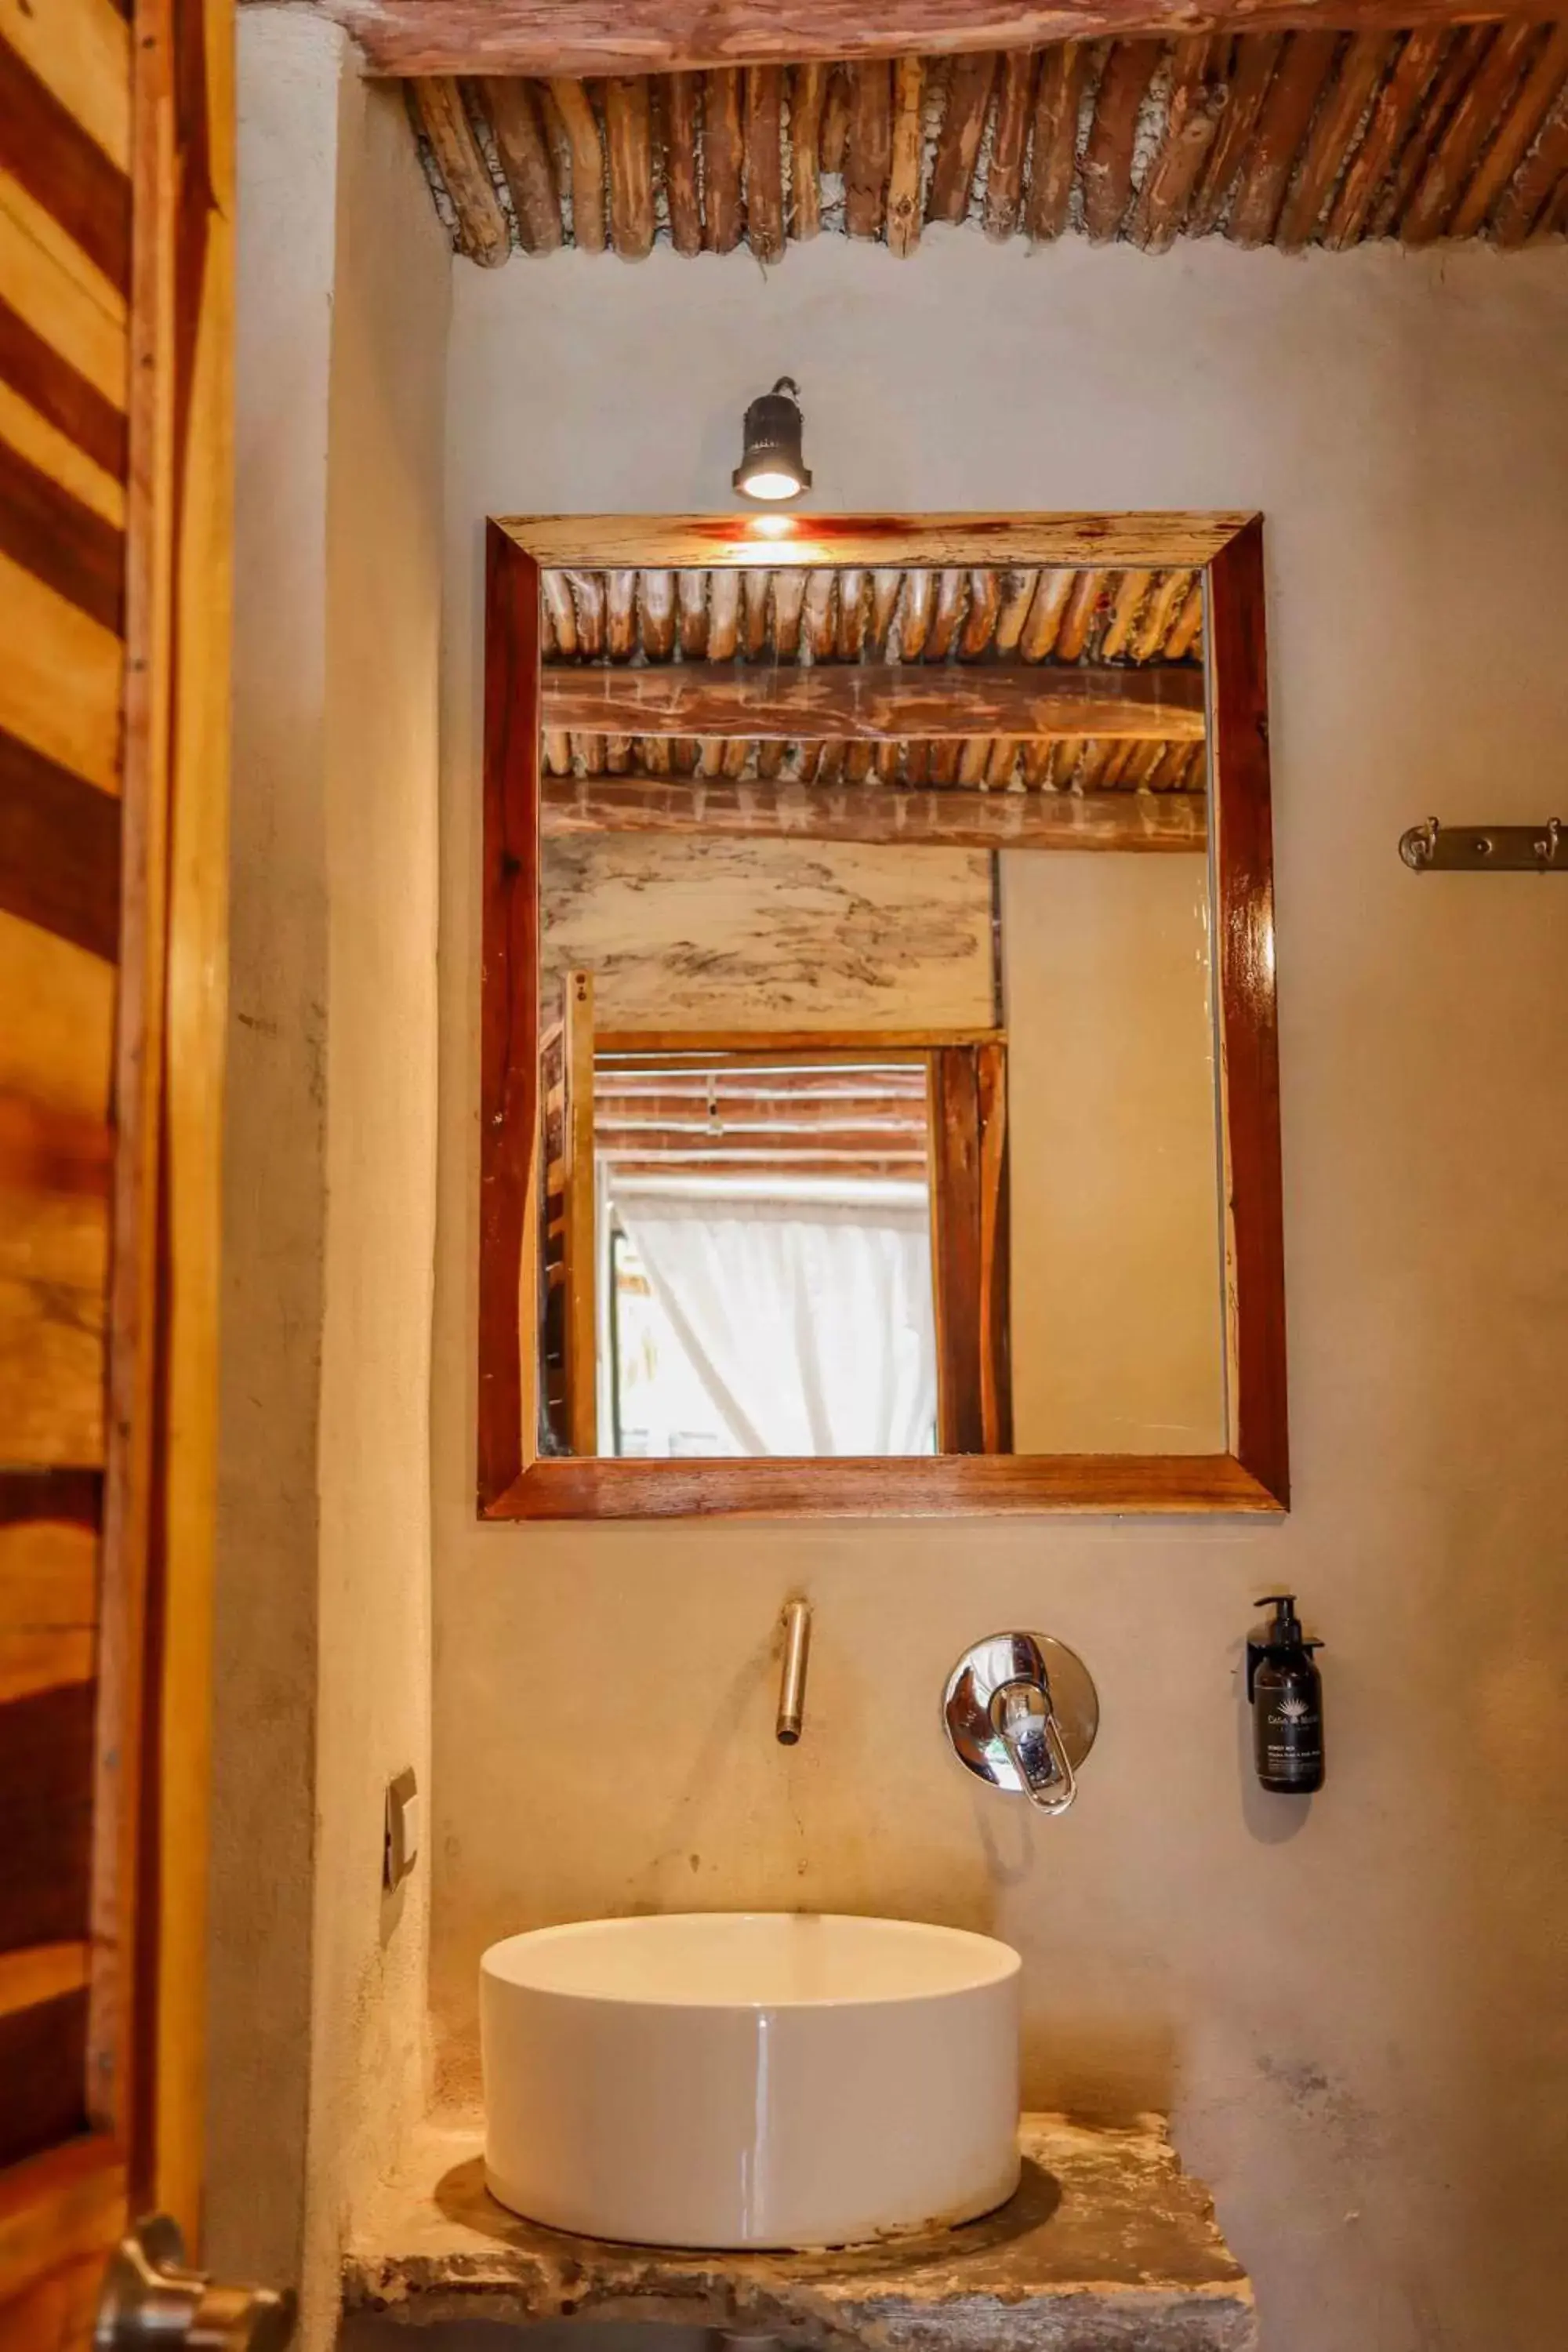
{"points": [[1175, 821], [853, 701]]}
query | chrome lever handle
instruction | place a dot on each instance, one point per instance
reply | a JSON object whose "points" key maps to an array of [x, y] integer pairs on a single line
{"points": [[1026, 1723], [151, 2302]]}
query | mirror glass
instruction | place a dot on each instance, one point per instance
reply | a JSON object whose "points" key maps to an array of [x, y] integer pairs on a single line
{"points": [[877, 1043]]}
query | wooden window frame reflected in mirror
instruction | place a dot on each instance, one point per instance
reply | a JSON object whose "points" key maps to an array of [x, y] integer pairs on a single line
{"points": [[515, 1481]]}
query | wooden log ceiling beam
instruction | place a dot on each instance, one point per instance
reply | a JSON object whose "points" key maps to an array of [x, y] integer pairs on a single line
{"points": [[596, 37], [902, 814], [873, 701]]}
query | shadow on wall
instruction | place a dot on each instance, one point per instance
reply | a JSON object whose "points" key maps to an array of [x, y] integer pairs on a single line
{"points": [[1100, 2068], [1111, 2065]]}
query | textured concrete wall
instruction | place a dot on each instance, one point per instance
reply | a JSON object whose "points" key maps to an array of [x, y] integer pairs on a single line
{"points": [[1353, 2006], [390, 307], [323, 1541], [268, 1532]]}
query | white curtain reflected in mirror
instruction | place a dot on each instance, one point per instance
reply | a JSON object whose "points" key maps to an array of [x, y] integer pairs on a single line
{"points": [[770, 1316]]}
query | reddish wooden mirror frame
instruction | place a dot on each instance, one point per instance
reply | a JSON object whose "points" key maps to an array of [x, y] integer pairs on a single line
{"points": [[514, 1481]]}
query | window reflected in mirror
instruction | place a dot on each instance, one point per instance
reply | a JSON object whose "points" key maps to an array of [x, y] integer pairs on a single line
{"points": [[765, 1238]]}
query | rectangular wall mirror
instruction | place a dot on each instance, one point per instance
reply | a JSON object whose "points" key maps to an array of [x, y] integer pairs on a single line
{"points": [[879, 1087]]}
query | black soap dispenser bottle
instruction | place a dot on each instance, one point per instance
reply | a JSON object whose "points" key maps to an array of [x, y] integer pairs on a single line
{"points": [[1286, 1691]]}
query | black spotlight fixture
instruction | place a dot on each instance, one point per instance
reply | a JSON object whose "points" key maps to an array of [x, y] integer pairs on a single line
{"points": [[772, 465]]}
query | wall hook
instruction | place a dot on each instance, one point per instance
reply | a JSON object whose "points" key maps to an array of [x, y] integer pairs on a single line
{"points": [[1419, 846], [1430, 847]]}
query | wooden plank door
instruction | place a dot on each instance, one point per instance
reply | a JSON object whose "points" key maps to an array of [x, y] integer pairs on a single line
{"points": [[115, 200]]}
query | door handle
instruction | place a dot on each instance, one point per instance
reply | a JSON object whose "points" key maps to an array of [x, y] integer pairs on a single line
{"points": [[151, 2302]]}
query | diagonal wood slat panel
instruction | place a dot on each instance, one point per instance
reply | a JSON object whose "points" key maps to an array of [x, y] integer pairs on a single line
{"points": [[60, 684], [30, 235], [52, 307], [65, 216], [45, 450], [61, 1053], [54, 1277], [80, 50], [66, 71], [48, 1548], [1373, 123], [63, 168], [31, 1662], [40, 1972], [59, 850], [46, 1764], [61, 540]]}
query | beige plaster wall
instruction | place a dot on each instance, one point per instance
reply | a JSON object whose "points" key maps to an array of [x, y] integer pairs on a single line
{"points": [[268, 1529], [319, 1981], [1113, 1182], [1352, 2005]]}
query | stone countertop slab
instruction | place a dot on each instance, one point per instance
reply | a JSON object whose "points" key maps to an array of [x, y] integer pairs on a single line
{"points": [[1108, 2246]]}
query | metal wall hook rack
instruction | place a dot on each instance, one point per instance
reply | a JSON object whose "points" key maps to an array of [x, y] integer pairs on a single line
{"points": [[1433, 848]]}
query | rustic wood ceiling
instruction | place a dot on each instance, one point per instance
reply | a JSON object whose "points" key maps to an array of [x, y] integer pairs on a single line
{"points": [[1291, 139], [981, 640]]}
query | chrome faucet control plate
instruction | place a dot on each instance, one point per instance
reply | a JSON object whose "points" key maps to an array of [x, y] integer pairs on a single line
{"points": [[1021, 1712]]}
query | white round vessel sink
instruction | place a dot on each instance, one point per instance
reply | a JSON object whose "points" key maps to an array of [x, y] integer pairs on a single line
{"points": [[731, 2079]]}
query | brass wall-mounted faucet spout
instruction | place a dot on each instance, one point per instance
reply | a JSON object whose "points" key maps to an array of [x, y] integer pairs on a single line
{"points": [[792, 1683]]}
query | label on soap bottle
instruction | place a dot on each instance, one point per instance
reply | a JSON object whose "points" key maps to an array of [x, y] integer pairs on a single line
{"points": [[1292, 1742]]}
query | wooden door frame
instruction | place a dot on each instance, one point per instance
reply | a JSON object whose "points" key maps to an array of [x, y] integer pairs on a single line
{"points": [[1252, 1474]]}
